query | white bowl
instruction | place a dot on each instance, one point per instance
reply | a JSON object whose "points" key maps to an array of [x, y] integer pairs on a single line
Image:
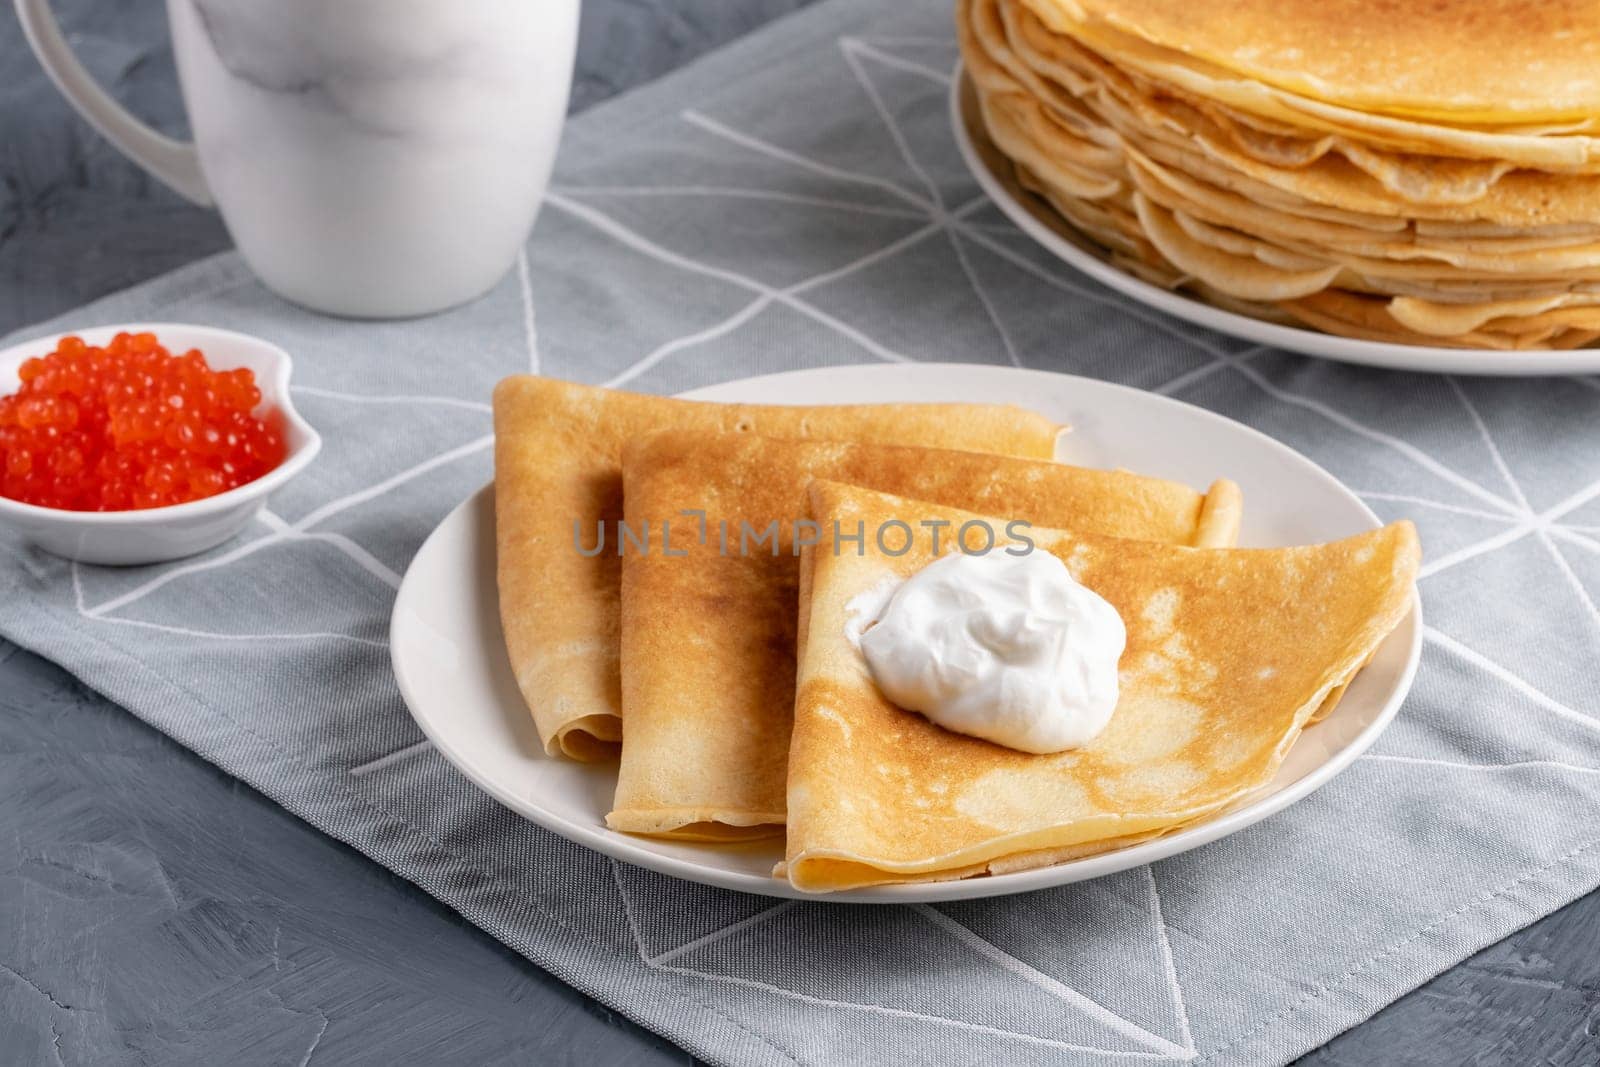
{"points": [[155, 535]]}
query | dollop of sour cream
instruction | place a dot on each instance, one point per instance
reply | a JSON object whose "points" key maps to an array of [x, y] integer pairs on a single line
{"points": [[1010, 648]]}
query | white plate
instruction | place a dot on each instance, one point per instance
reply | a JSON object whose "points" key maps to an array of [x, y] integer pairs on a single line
{"points": [[1035, 218], [450, 661]]}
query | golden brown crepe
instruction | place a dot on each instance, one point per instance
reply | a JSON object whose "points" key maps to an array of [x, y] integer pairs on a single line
{"points": [[1454, 60], [558, 469], [708, 637], [1230, 652]]}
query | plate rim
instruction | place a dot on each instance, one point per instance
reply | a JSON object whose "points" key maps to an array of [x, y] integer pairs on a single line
{"points": [[1426, 359], [619, 846]]}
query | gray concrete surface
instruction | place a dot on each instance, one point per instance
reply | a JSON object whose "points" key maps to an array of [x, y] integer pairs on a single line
{"points": [[154, 910]]}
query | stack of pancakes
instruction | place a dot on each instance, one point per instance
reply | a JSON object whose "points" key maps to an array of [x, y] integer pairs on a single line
{"points": [[1418, 171], [708, 647]]}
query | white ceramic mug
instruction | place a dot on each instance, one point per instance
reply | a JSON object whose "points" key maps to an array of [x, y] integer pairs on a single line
{"points": [[373, 158]]}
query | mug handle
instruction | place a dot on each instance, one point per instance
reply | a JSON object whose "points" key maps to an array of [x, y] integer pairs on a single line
{"points": [[173, 162]]}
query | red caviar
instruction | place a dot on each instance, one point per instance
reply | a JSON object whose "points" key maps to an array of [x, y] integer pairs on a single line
{"points": [[131, 426]]}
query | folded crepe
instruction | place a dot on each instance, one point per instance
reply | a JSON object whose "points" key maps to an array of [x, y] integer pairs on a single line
{"points": [[558, 482], [1229, 653], [709, 637]]}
